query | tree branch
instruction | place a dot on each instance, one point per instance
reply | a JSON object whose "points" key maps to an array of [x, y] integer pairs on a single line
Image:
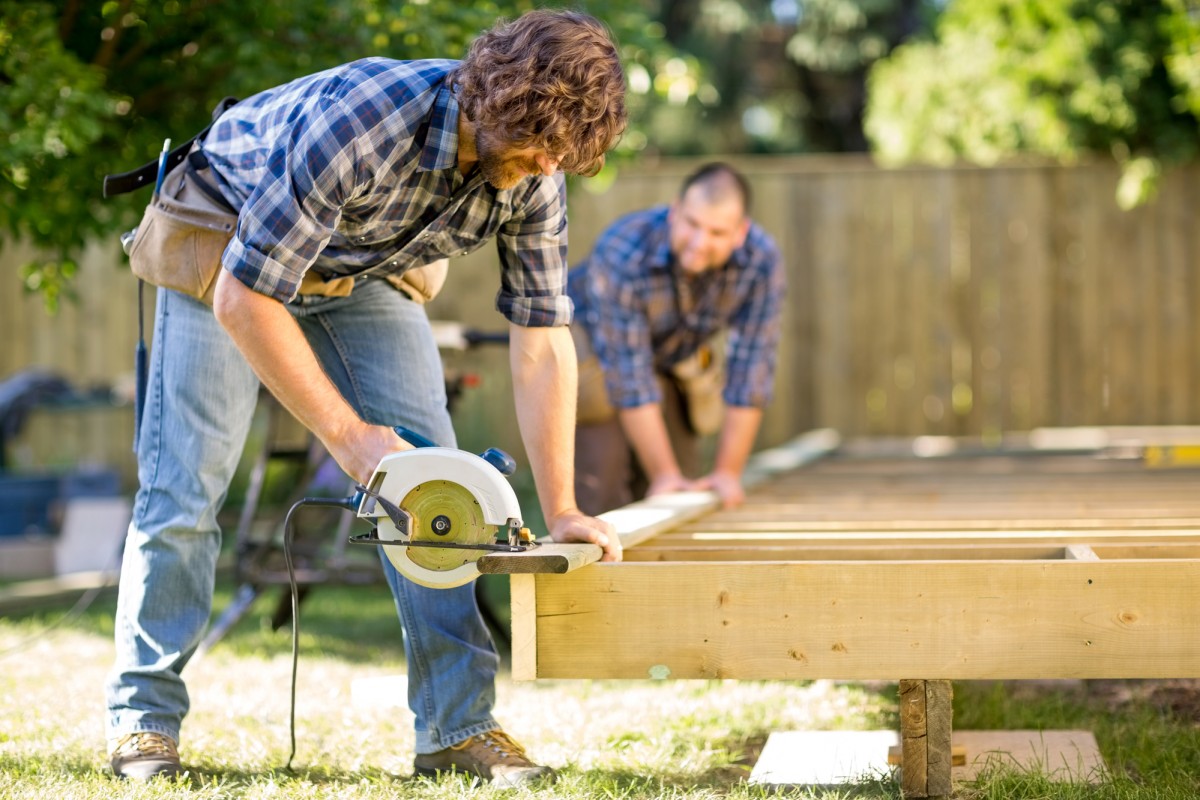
{"points": [[104, 55]]}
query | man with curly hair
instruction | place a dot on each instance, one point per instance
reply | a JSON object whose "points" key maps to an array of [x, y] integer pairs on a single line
{"points": [[342, 183]]}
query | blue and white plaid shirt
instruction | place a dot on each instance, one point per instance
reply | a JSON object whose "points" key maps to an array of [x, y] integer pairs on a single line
{"points": [[644, 315], [337, 171]]}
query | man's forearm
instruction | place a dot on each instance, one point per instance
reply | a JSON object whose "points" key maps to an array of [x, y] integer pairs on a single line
{"points": [[272, 342], [277, 351], [647, 435], [544, 374], [738, 433]]}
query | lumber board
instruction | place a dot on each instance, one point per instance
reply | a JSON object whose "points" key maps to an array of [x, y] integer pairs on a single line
{"points": [[952, 526], [939, 754], [926, 725], [914, 773], [546, 558], [870, 620], [848, 552], [637, 522], [523, 602], [974, 567]]}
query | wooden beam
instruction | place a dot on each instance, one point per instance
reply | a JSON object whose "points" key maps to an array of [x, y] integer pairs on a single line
{"points": [[1097, 537], [732, 551], [926, 728], [523, 599], [951, 526], [644, 519], [549, 558], [869, 620]]}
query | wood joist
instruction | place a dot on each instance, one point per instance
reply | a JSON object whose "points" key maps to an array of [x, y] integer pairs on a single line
{"points": [[1009, 562]]}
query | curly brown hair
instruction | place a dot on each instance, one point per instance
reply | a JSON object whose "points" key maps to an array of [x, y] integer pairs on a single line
{"points": [[548, 79]]}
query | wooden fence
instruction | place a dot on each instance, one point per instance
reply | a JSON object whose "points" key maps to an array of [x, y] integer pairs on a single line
{"points": [[921, 301]]}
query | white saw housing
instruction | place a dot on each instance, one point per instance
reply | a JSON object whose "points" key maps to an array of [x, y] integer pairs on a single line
{"points": [[400, 473]]}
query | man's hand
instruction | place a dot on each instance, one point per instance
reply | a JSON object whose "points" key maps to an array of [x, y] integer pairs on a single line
{"points": [[360, 453], [575, 526], [727, 486], [670, 482]]}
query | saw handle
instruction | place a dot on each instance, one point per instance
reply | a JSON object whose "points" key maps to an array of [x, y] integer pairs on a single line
{"points": [[505, 464], [413, 438]]}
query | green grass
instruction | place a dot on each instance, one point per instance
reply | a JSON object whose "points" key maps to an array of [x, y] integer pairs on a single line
{"points": [[608, 739]]}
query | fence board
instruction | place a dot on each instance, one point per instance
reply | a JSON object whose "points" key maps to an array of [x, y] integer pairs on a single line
{"points": [[1023, 288]]}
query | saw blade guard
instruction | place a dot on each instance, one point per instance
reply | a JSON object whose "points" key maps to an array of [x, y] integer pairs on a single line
{"points": [[437, 486]]}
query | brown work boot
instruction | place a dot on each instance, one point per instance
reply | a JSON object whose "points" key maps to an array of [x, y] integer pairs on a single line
{"points": [[493, 757], [144, 755]]}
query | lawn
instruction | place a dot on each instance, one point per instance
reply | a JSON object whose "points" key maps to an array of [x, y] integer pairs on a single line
{"points": [[633, 739]]}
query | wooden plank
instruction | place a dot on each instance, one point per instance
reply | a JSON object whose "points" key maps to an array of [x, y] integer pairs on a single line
{"points": [[925, 737], [523, 600], [871, 620], [878, 523], [958, 755], [800, 323], [823, 535], [642, 520], [864, 537], [547, 558], [1177, 375], [773, 210], [939, 755], [863, 552], [835, 400], [914, 775], [1144, 550], [1062, 756], [1100, 436]]}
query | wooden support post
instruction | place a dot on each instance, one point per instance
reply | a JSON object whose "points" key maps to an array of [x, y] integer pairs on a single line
{"points": [[925, 738]]}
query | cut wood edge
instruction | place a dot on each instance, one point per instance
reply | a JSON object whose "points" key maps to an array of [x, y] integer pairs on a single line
{"points": [[550, 558]]}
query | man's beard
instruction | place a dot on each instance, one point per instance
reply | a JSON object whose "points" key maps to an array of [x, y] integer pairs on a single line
{"points": [[499, 168]]}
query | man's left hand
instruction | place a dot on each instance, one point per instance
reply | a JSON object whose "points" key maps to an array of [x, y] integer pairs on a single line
{"points": [[575, 526], [727, 486]]}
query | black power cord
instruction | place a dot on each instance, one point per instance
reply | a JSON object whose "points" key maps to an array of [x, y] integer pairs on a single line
{"points": [[349, 503]]}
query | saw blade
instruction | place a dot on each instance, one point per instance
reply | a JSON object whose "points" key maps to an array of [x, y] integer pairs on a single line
{"points": [[444, 511]]}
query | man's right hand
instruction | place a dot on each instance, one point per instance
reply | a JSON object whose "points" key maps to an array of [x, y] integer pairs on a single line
{"points": [[359, 452]]}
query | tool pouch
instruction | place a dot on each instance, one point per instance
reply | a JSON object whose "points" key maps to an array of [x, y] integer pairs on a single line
{"points": [[701, 379], [422, 284], [181, 237]]}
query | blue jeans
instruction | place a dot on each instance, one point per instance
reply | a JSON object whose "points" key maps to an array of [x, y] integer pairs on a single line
{"points": [[377, 347]]}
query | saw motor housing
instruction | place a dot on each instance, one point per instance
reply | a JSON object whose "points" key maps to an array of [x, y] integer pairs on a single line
{"points": [[450, 499]]}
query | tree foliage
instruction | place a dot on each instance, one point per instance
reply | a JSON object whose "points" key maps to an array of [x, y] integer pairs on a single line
{"points": [[777, 75], [1057, 78], [89, 87]]}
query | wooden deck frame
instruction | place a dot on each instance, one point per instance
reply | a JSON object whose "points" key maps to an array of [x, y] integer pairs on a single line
{"points": [[1069, 584]]}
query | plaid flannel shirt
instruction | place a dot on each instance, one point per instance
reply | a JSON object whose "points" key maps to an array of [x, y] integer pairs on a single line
{"points": [[644, 315], [340, 171]]}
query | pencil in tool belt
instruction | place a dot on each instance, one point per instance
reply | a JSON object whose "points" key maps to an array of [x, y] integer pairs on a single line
{"points": [[162, 165]]}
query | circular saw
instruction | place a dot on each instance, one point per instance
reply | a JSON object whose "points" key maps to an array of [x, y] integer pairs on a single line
{"points": [[438, 510]]}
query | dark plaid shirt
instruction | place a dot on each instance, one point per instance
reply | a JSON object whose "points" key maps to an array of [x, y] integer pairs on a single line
{"points": [[644, 314], [338, 171]]}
